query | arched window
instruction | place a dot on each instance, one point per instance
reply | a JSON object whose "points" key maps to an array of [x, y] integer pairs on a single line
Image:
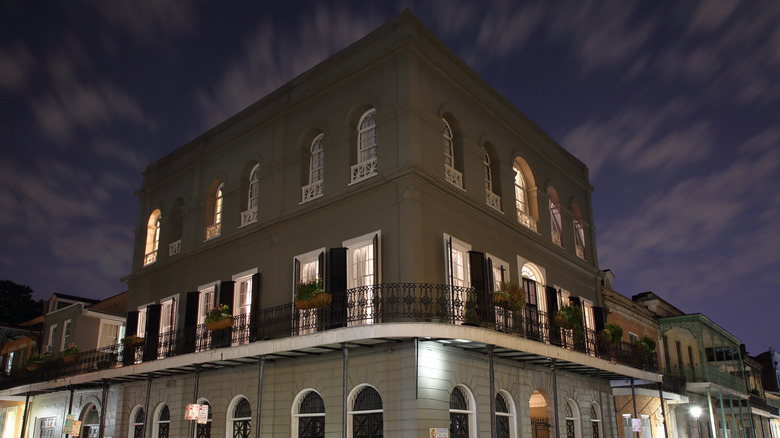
{"points": [[162, 422], [451, 172], [555, 216], [462, 423], [316, 171], [137, 421], [572, 419], [595, 420], [239, 418], [152, 238], [522, 197], [90, 421], [254, 187], [579, 232], [215, 208], [505, 416], [204, 430], [366, 414], [366, 148], [491, 198], [309, 415]]}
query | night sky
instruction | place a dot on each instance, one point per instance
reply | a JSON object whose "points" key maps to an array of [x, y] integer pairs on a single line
{"points": [[674, 106]]}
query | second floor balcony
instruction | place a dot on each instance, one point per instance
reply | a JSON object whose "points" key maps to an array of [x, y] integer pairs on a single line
{"points": [[360, 307]]}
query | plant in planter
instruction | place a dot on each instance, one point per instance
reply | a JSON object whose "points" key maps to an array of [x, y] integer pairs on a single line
{"points": [[645, 345], [568, 317], [310, 295], [71, 354], [612, 333], [34, 362], [510, 296], [107, 361], [471, 315], [132, 341], [219, 318]]}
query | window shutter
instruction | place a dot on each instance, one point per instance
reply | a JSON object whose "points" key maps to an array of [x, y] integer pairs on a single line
{"points": [[376, 259], [131, 326], [321, 266], [598, 318], [254, 311], [192, 301], [336, 283], [152, 336], [479, 278], [226, 295], [552, 299], [490, 276], [449, 262], [296, 273]]}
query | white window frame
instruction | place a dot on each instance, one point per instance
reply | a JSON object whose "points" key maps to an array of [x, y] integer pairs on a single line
{"points": [[307, 318], [295, 410], [153, 226], [131, 421], [535, 269], [498, 264], [316, 160], [239, 279], [366, 166], [357, 243], [471, 411], [512, 412], [596, 409], [459, 246], [232, 411], [173, 301], [50, 340], [351, 405], [253, 194], [156, 420], [556, 227], [205, 304], [65, 334], [141, 326], [576, 417], [120, 331]]}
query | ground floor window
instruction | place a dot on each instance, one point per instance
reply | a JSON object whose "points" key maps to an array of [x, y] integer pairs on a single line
{"points": [[461, 413], [240, 419], [367, 421], [309, 417]]}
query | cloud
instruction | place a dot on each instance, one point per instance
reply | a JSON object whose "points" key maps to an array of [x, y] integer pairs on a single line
{"points": [[268, 60], [16, 65], [150, 21]]}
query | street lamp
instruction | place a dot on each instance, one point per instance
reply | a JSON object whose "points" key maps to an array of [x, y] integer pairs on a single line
{"points": [[696, 413]]}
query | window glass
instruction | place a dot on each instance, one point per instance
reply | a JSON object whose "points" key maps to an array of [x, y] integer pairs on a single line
{"points": [[317, 161], [367, 137]]}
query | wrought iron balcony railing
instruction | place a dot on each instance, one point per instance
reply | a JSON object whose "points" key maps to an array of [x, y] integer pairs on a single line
{"points": [[386, 303]]}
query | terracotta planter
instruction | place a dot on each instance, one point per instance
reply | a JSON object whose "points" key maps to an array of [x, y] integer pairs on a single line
{"points": [[221, 324], [70, 357], [322, 299], [34, 366]]}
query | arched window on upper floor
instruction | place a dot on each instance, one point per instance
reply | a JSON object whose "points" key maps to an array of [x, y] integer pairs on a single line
{"points": [[555, 215], [214, 211], [492, 199], [524, 200], [451, 172], [366, 415], [579, 231], [152, 237], [366, 166], [462, 418], [249, 216], [313, 189], [239, 418], [308, 415]]}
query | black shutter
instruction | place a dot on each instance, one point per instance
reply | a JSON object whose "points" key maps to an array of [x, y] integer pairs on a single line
{"points": [[321, 267], [226, 294], [449, 262], [575, 301], [491, 281], [131, 326], [336, 284], [190, 330], [153, 312], [479, 280], [551, 295], [376, 259], [296, 274], [598, 318], [254, 315]]}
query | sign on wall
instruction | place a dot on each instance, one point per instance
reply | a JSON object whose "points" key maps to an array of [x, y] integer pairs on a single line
{"points": [[197, 412], [440, 432]]}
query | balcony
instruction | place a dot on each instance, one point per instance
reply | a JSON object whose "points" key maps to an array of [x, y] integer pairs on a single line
{"points": [[363, 170], [150, 258], [380, 304], [493, 200], [213, 231], [453, 176], [248, 217], [311, 191], [174, 248], [709, 373], [526, 219]]}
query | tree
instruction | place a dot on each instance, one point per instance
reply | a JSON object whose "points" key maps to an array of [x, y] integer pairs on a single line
{"points": [[16, 303]]}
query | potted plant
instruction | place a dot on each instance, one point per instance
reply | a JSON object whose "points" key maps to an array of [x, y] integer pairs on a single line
{"points": [[219, 318], [71, 354], [612, 333], [510, 296], [645, 345], [132, 341], [107, 361], [310, 295], [568, 317], [471, 316], [34, 362]]}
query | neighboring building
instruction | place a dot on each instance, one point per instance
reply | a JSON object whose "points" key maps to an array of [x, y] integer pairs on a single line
{"points": [[763, 412], [770, 374], [641, 400], [396, 176]]}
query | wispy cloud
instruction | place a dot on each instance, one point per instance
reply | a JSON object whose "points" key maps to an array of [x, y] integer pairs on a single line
{"points": [[16, 64], [151, 21]]}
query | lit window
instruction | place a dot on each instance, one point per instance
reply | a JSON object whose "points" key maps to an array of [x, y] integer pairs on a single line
{"points": [[167, 326], [215, 220], [218, 205], [152, 238], [65, 335], [242, 307], [522, 200], [50, 341], [362, 276], [308, 268]]}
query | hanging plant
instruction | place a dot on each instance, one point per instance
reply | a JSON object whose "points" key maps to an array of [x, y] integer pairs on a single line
{"points": [[311, 295], [612, 333], [510, 296], [568, 317], [645, 345]]}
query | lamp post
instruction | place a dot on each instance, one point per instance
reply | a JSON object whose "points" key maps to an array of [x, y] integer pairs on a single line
{"points": [[696, 413]]}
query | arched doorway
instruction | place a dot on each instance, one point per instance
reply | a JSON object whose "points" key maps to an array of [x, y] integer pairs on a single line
{"points": [[540, 422], [90, 421]]}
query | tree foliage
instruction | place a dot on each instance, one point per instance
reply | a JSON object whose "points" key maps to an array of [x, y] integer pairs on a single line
{"points": [[17, 304]]}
